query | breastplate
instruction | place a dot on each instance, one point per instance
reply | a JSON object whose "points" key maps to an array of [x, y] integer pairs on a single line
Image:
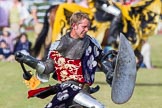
{"points": [[72, 48]]}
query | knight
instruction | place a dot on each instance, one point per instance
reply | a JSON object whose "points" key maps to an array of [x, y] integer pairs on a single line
{"points": [[73, 61]]}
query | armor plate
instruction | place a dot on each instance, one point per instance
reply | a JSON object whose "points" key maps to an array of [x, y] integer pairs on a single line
{"points": [[124, 74]]}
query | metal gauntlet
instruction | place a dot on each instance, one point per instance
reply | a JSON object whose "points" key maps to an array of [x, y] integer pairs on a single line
{"points": [[30, 61], [43, 69]]}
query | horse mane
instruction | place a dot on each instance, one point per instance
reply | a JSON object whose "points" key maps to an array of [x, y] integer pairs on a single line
{"points": [[42, 35]]}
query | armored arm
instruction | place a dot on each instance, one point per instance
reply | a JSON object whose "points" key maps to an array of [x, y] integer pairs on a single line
{"points": [[107, 64], [43, 69], [107, 6]]}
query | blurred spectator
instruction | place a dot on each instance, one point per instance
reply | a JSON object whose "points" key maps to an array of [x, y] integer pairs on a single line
{"points": [[38, 10], [84, 3], [18, 13], [146, 52], [5, 52], [22, 43], [9, 37], [4, 14]]}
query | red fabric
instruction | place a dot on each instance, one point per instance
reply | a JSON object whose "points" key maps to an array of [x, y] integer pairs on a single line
{"points": [[33, 93], [67, 69]]}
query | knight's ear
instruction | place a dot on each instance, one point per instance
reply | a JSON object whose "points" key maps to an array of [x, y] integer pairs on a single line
{"points": [[74, 26]]}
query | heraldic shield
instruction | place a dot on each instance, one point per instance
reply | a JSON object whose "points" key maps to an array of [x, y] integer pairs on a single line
{"points": [[125, 73]]}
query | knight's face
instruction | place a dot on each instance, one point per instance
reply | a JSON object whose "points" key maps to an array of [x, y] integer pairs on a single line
{"points": [[81, 28]]}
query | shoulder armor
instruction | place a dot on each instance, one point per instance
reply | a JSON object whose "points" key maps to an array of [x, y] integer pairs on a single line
{"points": [[54, 45], [95, 42]]}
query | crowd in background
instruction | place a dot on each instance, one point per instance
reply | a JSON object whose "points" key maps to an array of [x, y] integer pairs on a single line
{"points": [[13, 37], [15, 15]]}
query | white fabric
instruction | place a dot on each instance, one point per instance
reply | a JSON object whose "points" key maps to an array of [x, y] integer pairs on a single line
{"points": [[145, 51]]}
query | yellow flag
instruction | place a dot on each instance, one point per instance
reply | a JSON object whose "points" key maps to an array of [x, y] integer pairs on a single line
{"points": [[33, 83]]}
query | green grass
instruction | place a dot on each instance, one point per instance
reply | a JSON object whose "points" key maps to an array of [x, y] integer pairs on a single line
{"points": [[147, 92]]}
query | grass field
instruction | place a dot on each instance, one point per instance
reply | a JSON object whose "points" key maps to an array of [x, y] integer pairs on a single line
{"points": [[147, 92]]}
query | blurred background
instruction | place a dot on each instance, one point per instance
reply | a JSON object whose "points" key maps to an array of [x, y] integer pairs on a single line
{"points": [[20, 26]]}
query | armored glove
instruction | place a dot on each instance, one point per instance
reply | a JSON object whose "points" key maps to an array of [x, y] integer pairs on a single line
{"points": [[30, 61], [108, 64]]}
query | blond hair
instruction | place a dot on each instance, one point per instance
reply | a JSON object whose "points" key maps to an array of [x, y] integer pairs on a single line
{"points": [[77, 17]]}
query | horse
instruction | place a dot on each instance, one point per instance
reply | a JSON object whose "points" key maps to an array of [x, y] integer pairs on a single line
{"points": [[137, 22], [59, 22]]}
